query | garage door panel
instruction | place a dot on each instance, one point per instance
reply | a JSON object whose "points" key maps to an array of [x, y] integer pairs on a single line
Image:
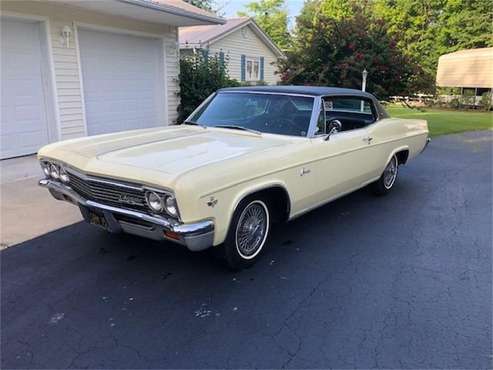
{"points": [[123, 81], [23, 119], [21, 142]]}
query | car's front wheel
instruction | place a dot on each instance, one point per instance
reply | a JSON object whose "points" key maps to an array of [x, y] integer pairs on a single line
{"points": [[385, 183], [247, 233]]}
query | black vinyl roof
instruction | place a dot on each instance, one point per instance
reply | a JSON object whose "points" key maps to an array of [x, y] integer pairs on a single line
{"points": [[305, 90]]}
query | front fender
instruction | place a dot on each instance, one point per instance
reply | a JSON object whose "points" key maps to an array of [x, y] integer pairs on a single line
{"points": [[229, 199]]}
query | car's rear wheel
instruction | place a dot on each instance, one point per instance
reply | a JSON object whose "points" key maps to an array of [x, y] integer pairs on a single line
{"points": [[389, 176], [247, 233]]}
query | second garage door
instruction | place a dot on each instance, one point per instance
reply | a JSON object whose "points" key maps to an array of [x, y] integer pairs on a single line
{"points": [[123, 81]]}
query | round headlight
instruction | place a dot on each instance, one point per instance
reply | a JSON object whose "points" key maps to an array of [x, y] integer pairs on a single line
{"points": [[154, 201], [54, 172], [64, 176], [170, 206], [46, 168]]}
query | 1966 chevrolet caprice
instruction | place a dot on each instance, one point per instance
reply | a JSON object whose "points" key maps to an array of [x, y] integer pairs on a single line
{"points": [[246, 157]]}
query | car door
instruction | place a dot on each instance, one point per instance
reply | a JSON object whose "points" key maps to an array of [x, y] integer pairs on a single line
{"points": [[343, 161]]}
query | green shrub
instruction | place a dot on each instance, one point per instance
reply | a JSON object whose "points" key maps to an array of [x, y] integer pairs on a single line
{"points": [[468, 99], [200, 76], [454, 103], [485, 101]]}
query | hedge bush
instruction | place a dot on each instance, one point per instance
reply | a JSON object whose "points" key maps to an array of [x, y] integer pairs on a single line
{"points": [[200, 76]]}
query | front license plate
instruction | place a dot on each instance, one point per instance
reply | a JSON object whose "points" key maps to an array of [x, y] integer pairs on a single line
{"points": [[98, 220]]}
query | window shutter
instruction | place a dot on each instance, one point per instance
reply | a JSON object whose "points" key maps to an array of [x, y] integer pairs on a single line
{"points": [[261, 68], [221, 58], [243, 67]]}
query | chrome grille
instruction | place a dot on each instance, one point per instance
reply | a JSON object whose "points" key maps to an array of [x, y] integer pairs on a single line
{"points": [[108, 192]]}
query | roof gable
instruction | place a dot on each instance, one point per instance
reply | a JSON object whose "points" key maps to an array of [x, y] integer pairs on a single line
{"points": [[203, 36]]}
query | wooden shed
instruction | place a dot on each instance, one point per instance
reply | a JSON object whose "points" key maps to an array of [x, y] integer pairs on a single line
{"points": [[471, 68]]}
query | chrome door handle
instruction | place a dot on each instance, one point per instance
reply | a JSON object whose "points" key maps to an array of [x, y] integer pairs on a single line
{"points": [[304, 171], [367, 140]]}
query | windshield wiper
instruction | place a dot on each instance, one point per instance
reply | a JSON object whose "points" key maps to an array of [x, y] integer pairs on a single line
{"points": [[235, 127]]}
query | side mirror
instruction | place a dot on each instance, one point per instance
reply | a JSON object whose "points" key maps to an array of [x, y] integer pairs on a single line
{"points": [[332, 127]]}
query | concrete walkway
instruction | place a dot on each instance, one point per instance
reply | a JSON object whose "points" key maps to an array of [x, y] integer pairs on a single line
{"points": [[26, 210]]}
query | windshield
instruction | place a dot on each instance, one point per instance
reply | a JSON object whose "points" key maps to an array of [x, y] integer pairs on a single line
{"points": [[269, 113]]}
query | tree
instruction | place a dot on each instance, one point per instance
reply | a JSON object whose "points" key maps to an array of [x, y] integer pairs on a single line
{"points": [[203, 4], [200, 76], [334, 50], [272, 17], [427, 29]]}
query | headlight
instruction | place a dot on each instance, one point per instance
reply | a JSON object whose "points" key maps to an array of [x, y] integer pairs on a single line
{"points": [[64, 176], [46, 168], [54, 172], [154, 201], [170, 206]]}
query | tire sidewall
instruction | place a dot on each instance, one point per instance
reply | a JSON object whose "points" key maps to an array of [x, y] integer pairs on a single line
{"points": [[234, 258], [394, 158], [379, 187]]}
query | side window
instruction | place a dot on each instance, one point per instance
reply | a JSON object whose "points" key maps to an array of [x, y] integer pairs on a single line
{"points": [[348, 104], [353, 112]]}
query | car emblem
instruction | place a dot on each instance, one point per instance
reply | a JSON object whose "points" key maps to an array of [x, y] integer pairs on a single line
{"points": [[127, 199], [212, 202]]}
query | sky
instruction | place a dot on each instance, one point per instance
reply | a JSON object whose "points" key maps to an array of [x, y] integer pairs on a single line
{"points": [[230, 7]]}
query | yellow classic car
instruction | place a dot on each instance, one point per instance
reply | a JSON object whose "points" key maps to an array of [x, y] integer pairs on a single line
{"points": [[245, 158]]}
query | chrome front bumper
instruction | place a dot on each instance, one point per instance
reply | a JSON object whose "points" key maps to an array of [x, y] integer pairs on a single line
{"points": [[195, 236]]}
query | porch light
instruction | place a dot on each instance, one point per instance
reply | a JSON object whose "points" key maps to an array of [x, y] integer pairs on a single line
{"points": [[66, 32]]}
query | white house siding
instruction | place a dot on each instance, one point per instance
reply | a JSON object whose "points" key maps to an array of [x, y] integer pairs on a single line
{"points": [[247, 43], [65, 59]]}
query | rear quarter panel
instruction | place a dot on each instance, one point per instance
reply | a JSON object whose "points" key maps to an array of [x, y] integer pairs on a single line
{"points": [[392, 135]]}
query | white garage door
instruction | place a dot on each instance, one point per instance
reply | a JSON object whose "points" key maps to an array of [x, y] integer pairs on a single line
{"points": [[123, 81], [23, 118]]}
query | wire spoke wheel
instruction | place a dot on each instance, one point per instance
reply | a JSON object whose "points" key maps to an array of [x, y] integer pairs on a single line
{"points": [[252, 229], [390, 173]]}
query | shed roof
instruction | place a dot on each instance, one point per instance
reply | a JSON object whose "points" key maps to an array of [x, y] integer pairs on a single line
{"points": [[466, 68]]}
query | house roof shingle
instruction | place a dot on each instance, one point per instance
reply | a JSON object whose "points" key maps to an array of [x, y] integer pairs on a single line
{"points": [[198, 35], [201, 36]]}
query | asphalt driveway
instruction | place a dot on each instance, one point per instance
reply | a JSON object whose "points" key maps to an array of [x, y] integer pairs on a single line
{"points": [[402, 281]]}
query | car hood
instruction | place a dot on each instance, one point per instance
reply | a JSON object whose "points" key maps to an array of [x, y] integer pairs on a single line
{"points": [[172, 150]]}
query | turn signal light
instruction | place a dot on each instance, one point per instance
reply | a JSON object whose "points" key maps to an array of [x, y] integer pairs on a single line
{"points": [[172, 235]]}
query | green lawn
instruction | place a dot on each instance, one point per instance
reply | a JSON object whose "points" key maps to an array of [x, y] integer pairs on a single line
{"points": [[442, 122]]}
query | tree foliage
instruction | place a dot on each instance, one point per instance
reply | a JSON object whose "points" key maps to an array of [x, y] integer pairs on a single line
{"points": [[334, 39], [272, 17], [202, 4], [200, 76], [333, 48], [427, 29]]}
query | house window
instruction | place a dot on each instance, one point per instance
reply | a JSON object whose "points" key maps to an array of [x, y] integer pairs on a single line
{"points": [[252, 69]]}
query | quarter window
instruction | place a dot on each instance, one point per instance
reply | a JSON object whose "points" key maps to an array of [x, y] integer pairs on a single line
{"points": [[353, 112], [348, 104]]}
